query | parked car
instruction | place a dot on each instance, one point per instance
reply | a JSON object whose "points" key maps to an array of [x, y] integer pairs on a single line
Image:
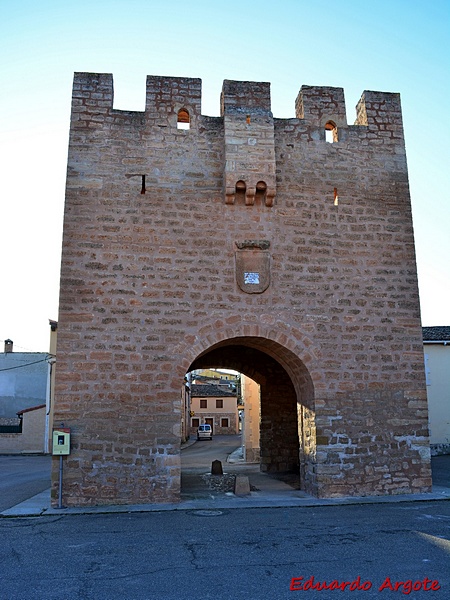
{"points": [[204, 432]]}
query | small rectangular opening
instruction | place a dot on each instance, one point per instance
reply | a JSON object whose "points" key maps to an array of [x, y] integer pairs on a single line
{"points": [[336, 197]]}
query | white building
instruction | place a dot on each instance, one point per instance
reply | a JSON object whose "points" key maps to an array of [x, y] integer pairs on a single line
{"points": [[436, 341]]}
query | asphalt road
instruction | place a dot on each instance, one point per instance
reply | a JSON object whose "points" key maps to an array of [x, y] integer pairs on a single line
{"points": [[22, 477], [250, 554]]}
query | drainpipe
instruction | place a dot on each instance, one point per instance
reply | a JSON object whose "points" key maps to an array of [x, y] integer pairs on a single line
{"points": [[48, 399]]}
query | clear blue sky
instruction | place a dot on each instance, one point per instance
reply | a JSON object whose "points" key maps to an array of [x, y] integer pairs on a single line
{"points": [[387, 45]]}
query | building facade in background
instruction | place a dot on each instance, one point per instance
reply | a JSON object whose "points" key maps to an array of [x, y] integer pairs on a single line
{"points": [[214, 405], [23, 380], [436, 341], [26, 399]]}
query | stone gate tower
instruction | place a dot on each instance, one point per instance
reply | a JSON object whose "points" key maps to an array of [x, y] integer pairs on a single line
{"points": [[248, 242]]}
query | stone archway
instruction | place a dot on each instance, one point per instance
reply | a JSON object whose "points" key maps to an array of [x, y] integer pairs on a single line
{"points": [[287, 428]]}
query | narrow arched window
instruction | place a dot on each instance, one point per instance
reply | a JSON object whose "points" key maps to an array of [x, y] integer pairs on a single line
{"points": [[331, 132], [183, 120]]}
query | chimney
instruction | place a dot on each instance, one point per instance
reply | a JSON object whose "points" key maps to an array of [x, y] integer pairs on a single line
{"points": [[8, 346]]}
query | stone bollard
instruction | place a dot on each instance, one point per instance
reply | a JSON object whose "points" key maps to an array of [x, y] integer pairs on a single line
{"points": [[216, 468], [241, 486]]}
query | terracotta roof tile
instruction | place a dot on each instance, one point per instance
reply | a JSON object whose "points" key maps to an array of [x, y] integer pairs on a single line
{"points": [[208, 390]]}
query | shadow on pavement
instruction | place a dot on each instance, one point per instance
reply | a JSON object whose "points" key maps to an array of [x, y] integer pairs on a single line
{"points": [[196, 485]]}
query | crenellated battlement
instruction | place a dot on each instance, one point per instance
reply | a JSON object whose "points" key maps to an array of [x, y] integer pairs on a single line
{"points": [[320, 105], [168, 95], [380, 110], [93, 94], [248, 137], [245, 96]]}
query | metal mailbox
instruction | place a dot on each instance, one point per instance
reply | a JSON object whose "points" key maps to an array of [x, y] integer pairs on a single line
{"points": [[61, 441]]}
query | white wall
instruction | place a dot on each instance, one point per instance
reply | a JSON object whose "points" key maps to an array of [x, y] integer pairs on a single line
{"points": [[437, 367]]}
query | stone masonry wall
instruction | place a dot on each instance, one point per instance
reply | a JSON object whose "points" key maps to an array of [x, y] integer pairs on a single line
{"points": [[150, 283]]}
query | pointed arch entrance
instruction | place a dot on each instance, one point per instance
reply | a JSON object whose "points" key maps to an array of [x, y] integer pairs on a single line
{"points": [[287, 428]]}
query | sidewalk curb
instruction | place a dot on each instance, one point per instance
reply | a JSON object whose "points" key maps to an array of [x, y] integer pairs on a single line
{"points": [[39, 505]]}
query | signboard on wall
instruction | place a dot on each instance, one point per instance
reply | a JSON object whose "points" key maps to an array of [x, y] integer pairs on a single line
{"points": [[61, 441]]}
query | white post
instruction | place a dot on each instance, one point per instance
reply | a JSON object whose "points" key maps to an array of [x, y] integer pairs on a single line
{"points": [[51, 361]]}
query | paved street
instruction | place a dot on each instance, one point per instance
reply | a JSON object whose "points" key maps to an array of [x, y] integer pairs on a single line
{"points": [[22, 477], [227, 554], [212, 551], [202, 453]]}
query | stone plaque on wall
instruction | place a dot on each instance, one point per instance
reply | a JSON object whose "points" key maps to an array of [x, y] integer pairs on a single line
{"points": [[253, 266]]}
